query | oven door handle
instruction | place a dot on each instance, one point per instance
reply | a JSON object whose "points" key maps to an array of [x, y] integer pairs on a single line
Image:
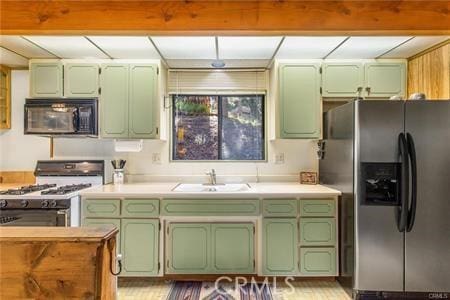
{"points": [[64, 215]]}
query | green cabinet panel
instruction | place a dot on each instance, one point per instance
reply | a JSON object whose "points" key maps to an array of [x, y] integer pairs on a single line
{"points": [[140, 208], [188, 249], [317, 208], [232, 248], [81, 80], [46, 79], [279, 247], [142, 102], [385, 79], [299, 93], [101, 208], [101, 222], [317, 231], [114, 100], [318, 261], [342, 79], [208, 207], [279, 207], [140, 243]]}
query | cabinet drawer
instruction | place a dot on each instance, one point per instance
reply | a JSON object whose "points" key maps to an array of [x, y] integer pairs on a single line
{"points": [[317, 208], [187, 207], [101, 208], [317, 231], [280, 208], [140, 208], [318, 261]]}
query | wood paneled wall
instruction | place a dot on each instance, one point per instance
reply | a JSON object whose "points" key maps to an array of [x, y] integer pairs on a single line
{"points": [[429, 73]]}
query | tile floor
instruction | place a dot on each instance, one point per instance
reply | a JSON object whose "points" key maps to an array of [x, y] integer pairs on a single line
{"points": [[150, 289]]}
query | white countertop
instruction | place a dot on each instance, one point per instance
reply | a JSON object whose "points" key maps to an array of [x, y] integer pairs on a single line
{"points": [[165, 190]]}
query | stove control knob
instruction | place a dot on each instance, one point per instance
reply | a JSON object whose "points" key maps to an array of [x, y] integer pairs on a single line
{"points": [[24, 203], [53, 203], [44, 203], [3, 203]]}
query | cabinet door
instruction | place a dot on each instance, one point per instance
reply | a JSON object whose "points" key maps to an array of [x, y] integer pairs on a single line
{"points": [[342, 79], [46, 79], [299, 101], [188, 248], [139, 238], [385, 79], [101, 222], [280, 247], [114, 100], [233, 248], [81, 80], [318, 261], [317, 231], [143, 104]]}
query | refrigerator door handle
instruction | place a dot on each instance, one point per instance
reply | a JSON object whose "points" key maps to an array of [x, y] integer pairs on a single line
{"points": [[413, 161], [402, 210]]}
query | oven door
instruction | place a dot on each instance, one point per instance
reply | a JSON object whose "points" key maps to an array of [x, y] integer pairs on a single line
{"points": [[35, 217]]}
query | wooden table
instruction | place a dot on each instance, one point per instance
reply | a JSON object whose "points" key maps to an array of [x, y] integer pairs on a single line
{"points": [[58, 262]]}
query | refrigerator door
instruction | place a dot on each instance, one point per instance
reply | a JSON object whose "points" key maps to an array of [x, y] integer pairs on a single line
{"points": [[427, 254], [378, 241]]}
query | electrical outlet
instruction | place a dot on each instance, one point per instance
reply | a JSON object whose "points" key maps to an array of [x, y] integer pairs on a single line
{"points": [[279, 158], [156, 158]]}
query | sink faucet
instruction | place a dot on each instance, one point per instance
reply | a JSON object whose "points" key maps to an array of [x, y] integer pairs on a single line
{"points": [[212, 177]]}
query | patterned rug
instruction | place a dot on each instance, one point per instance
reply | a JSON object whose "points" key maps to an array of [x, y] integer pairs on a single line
{"points": [[225, 291]]}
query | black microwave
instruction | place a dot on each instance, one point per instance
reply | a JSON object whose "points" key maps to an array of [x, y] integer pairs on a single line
{"points": [[61, 117]]}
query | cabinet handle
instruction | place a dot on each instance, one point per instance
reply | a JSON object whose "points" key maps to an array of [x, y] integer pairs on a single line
{"points": [[368, 90]]}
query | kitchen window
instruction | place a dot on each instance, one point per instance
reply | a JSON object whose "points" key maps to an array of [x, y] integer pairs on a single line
{"points": [[213, 127]]}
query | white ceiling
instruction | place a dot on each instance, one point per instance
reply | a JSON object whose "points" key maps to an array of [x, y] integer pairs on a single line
{"points": [[199, 51]]}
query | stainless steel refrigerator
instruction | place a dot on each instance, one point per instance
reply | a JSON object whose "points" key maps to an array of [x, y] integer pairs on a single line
{"points": [[391, 160]]}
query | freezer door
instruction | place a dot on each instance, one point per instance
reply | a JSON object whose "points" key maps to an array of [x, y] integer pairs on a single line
{"points": [[427, 245], [378, 242]]}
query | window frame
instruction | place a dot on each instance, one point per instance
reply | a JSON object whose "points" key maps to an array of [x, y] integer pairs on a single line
{"points": [[219, 112]]}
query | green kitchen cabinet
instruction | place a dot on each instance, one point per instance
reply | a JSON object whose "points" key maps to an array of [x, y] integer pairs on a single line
{"points": [[140, 208], [342, 79], [280, 255], [143, 107], [139, 247], [383, 79], [103, 208], [279, 208], [114, 100], [318, 261], [102, 222], [210, 207], [317, 207], [46, 79], [317, 231], [233, 248], [81, 80], [188, 250], [128, 101], [299, 100]]}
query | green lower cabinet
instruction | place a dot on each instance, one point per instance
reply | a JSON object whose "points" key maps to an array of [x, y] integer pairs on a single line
{"points": [[101, 222], [280, 247], [233, 248], [318, 261], [140, 244], [188, 248], [317, 231]]}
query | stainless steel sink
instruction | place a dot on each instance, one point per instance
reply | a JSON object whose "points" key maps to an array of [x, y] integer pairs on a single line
{"points": [[221, 188]]}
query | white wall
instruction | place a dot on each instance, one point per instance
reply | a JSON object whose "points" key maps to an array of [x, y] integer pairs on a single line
{"points": [[20, 152]]}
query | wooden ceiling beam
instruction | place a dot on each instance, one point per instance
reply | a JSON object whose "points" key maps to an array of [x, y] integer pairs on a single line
{"points": [[341, 17]]}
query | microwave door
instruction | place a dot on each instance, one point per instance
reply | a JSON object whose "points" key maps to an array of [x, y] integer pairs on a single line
{"points": [[52, 119]]}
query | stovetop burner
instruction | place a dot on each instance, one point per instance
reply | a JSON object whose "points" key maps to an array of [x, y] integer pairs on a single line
{"points": [[27, 189], [66, 189]]}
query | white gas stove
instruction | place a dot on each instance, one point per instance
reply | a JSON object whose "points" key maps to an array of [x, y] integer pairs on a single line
{"points": [[54, 200]]}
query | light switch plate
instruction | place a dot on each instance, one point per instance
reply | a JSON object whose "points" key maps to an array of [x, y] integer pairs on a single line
{"points": [[279, 158]]}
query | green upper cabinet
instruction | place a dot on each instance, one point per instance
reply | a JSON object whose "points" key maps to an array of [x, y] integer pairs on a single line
{"points": [[81, 80], [299, 97], [383, 79], [114, 100], [342, 79], [143, 106], [46, 79], [232, 248], [139, 238]]}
